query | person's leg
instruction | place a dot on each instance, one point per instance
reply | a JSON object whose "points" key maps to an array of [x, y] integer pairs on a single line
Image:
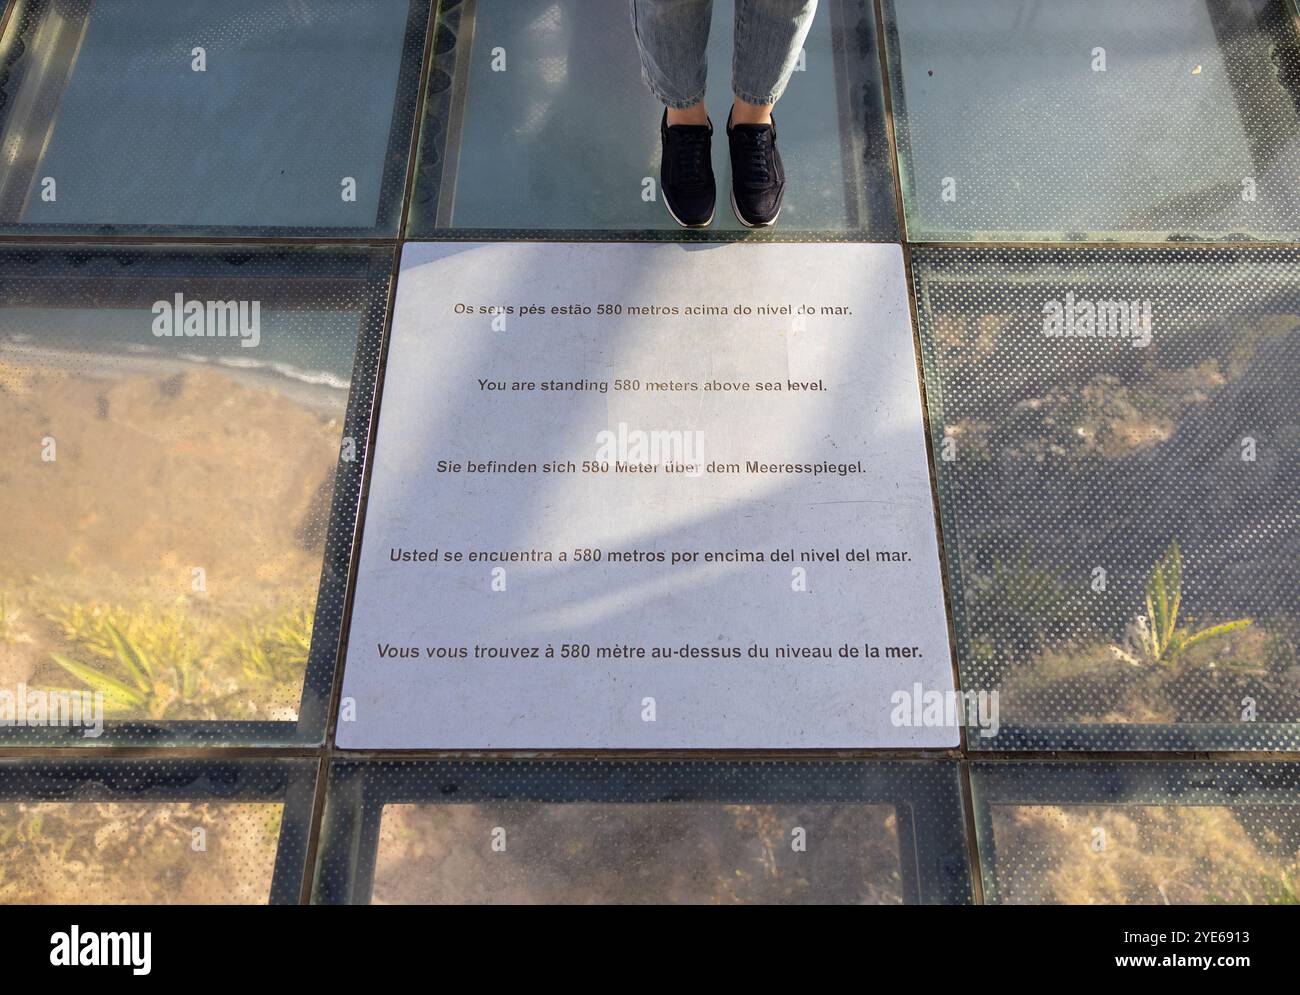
{"points": [[672, 37], [769, 36]]}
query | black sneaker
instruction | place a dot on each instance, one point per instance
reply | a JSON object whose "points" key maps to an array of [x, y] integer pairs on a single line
{"points": [[686, 172], [757, 176]]}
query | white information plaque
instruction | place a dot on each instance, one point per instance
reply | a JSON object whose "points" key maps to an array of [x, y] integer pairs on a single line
{"points": [[649, 496]]}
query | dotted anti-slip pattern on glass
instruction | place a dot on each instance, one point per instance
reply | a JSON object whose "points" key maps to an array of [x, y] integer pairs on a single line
{"points": [[537, 124], [1135, 833], [1117, 440], [182, 434], [684, 832], [266, 117], [1126, 120], [157, 832]]}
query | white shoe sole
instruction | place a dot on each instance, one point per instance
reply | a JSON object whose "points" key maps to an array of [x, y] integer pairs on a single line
{"points": [[766, 224]]}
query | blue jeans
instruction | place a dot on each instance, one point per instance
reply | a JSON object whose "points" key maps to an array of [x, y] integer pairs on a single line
{"points": [[673, 37]]}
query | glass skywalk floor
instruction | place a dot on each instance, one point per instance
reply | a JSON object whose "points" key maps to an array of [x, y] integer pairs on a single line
{"points": [[1112, 120], [1109, 367], [524, 130]]}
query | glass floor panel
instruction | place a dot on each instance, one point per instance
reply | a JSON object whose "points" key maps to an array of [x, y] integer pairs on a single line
{"points": [[537, 120], [1138, 833], [181, 440], [154, 832], [246, 116], [1118, 443], [1129, 120], [632, 832]]}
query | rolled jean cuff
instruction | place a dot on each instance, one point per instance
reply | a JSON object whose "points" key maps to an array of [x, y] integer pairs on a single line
{"points": [[753, 98]]}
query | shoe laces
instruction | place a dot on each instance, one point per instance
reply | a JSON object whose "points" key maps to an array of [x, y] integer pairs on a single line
{"points": [[691, 153], [758, 144]]}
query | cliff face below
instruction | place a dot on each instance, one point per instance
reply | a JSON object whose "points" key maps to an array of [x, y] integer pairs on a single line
{"points": [[185, 506], [153, 477]]}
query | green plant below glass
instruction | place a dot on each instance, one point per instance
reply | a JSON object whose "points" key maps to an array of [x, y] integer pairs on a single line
{"points": [[169, 665], [1156, 638]]}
